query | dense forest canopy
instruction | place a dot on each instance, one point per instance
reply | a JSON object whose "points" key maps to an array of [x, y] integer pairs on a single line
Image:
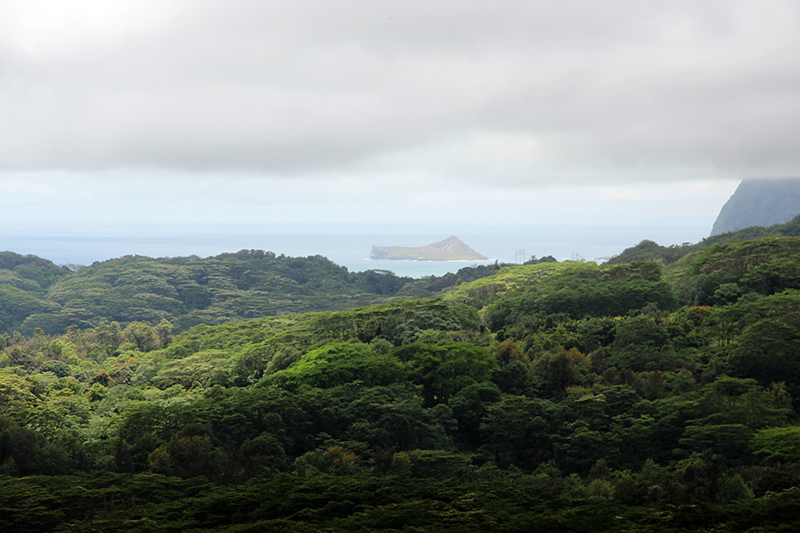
{"points": [[187, 291], [249, 392]]}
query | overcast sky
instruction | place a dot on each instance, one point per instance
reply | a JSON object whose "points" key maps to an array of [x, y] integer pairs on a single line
{"points": [[266, 112]]}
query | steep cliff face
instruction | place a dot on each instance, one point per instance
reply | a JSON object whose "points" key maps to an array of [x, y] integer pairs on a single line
{"points": [[759, 202], [450, 249]]}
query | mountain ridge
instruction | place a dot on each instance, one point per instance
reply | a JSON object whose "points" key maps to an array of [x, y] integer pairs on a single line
{"points": [[759, 202]]}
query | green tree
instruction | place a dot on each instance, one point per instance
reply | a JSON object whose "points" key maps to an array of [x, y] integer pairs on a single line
{"points": [[516, 430], [144, 336], [777, 445], [470, 406], [769, 351], [444, 370], [559, 368]]}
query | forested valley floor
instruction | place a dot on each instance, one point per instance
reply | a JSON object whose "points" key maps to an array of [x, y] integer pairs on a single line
{"points": [[255, 392]]}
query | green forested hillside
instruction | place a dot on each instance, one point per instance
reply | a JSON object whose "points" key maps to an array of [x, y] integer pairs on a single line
{"points": [[24, 281], [650, 251], [559, 397], [187, 291]]}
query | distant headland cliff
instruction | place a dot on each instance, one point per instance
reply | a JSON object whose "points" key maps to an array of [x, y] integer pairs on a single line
{"points": [[450, 249], [759, 202]]}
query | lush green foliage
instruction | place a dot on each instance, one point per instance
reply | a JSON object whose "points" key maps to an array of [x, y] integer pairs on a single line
{"points": [[24, 281], [520, 295], [651, 251], [564, 397], [188, 291], [724, 272]]}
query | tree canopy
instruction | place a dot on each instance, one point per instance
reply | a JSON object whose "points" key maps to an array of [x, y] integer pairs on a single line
{"points": [[639, 396]]}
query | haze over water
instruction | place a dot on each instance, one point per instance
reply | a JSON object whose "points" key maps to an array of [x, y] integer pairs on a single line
{"points": [[346, 245]]}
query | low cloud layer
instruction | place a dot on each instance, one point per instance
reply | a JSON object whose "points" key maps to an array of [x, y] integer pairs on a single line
{"points": [[502, 92]]}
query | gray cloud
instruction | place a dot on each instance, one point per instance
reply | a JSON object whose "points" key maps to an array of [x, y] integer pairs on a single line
{"points": [[514, 91]]}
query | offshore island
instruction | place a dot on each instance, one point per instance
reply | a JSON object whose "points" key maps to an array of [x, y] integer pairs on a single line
{"points": [[450, 249]]}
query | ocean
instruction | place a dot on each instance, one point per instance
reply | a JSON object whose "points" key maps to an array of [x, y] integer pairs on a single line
{"points": [[346, 245]]}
